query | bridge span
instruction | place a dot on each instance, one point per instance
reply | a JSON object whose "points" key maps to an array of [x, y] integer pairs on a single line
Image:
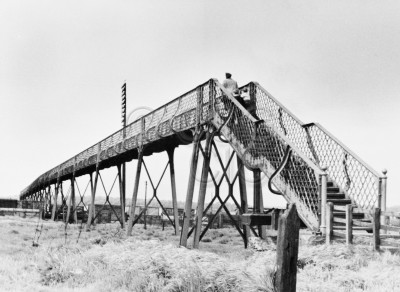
{"points": [[304, 162]]}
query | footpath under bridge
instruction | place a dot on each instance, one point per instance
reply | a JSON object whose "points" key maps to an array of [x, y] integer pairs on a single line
{"points": [[304, 162]]}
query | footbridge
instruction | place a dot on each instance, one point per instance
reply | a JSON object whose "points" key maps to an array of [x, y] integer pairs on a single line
{"points": [[304, 163]]}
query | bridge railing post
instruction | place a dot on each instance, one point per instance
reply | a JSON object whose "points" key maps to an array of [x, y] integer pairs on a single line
{"points": [[323, 198]]}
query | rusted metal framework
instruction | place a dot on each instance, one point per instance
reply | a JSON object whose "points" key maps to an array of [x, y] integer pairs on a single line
{"points": [[300, 159]]}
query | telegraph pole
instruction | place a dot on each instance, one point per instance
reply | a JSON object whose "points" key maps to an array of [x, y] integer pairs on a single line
{"points": [[123, 174]]}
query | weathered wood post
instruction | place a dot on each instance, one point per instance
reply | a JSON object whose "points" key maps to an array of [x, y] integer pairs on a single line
{"points": [[329, 222], [349, 224], [376, 225], [287, 251]]}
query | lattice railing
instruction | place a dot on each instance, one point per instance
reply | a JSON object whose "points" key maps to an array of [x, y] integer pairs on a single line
{"points": [[178, 115], [359, 181], [260, 145]]}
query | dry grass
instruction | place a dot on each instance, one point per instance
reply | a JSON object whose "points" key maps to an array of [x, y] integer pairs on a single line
{"points": [[151, 260]]}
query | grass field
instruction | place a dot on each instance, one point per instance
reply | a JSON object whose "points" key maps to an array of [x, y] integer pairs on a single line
{"points": [[104, 259]]}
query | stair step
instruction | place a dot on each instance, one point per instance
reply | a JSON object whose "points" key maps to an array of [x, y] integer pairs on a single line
{"points": [[341, 227], [336, 196], [343, 214], [333, 189], [339, 201]]}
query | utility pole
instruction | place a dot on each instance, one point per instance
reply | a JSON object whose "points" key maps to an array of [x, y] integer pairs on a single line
{"points": [[123, 168]]}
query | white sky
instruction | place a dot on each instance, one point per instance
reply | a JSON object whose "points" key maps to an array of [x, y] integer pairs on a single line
{"points": [[62, 64]]}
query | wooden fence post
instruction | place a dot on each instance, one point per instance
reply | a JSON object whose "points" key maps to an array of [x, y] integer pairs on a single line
{"points": [[329, 222], [287, 251], [376, 225], [349, 224]]}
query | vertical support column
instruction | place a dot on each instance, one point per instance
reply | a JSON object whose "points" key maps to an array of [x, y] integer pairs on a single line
{"points": [[384, 219], [75, 213], [324, 196], [349, 224], [190, 189], [93, 188], [258, 200], [376, 226], [170, 153], [243, 197], [121, 194], [135, 193], [329, 222], [203, 188], [69, 208]]}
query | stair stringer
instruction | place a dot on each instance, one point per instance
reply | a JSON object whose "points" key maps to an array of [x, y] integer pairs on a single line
{"points": [[308, 217]]}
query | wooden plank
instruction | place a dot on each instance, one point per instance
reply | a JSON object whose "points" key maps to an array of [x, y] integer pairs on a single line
{"points": [[20, 210], [390, 228], [338, 233], [339, 220], [287, 251], [362, 224], [256, 219], [391, 214]]}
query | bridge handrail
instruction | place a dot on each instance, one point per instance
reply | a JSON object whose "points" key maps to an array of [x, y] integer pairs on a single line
{"points": [[98, 150], [344, 166]]}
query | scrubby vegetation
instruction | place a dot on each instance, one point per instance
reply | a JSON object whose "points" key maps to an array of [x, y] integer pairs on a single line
{"points": [[151, 260]]}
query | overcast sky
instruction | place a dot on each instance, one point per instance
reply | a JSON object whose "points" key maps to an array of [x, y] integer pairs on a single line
{"points": [[62, 64]]}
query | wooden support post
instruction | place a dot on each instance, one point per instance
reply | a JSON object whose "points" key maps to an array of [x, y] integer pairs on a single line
{"points": [[170, 153], [203, 188], [220, 221], [349, 224], [121, 195], [135, 193], [190, 189], [376, 226], [68, 209], [243, 197], [287, 251], [53, 213], [75, 213], [329, 222], [92, 209], [258, 201]]}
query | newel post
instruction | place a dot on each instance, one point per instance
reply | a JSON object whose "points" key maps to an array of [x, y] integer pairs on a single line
{"points": [[383, 190], [324, 197]]}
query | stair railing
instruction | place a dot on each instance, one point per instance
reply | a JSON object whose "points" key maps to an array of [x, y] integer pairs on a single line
{"points": [[359, 181], [261, 146]]}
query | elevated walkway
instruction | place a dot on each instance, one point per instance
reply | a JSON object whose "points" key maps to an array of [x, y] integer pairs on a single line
{"points": [[305, 163]]}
